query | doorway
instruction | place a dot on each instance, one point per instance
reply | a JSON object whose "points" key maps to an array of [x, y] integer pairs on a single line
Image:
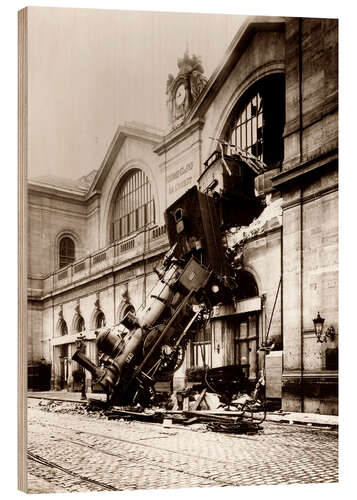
{"points": [[63, 374], [245, 329]]}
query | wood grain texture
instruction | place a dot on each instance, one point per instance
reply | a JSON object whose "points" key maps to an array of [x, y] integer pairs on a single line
{"points": [[22, 250]]}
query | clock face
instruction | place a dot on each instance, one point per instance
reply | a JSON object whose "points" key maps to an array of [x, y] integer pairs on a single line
{"points": [[180, 94]]}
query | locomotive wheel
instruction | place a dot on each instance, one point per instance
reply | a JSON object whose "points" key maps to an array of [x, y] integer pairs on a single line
{"points": [[171, 362], [171, 359]]}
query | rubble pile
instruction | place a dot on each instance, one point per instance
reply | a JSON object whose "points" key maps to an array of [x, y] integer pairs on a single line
{"points": [[270, 217], [67, 407]]}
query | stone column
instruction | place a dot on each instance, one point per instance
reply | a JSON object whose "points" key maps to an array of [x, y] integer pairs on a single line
{"points": [[292, 361]]}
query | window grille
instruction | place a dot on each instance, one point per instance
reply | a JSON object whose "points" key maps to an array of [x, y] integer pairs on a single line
{"points": [[247, 131], [134, 205], [66, 251], [258, 121]]}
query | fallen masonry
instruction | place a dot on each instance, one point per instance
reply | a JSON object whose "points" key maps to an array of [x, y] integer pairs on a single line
{"points": [[270, 216]]}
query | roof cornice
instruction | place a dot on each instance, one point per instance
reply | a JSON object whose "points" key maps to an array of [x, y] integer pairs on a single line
{"points": [[120, 135], [55, 191]]}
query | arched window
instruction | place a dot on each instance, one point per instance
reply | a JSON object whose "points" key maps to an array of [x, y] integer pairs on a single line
{"points": [[100, 320], [66, 251], [63, 327], [79, 324], [247, 286], [134, 205], [246, 131], [258, 120]]}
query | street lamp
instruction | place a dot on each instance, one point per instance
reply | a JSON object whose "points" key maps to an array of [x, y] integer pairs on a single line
{"points": [[81, 347], [321, 335]]}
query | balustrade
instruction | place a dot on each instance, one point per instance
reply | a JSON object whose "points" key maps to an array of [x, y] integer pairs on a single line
{"points": [[114, 254]]}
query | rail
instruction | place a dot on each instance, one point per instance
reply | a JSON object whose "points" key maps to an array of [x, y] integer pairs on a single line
{"points": [[119, 252]]}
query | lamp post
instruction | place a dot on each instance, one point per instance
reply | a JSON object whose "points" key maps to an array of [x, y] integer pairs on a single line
{"points": [[321, 335], [81, 347]]}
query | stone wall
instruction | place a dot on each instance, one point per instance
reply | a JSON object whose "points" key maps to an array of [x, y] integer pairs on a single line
{"points": [[311, 89], [105, 295], [49, 217], [34, 332], [310, 215], [180, 162]]}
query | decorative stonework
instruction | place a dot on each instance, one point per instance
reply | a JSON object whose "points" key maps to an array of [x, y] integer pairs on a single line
{"points": [[184, 90]]}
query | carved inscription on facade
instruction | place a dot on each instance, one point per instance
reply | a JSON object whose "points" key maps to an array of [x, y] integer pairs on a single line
{"points": [[181, 178]]}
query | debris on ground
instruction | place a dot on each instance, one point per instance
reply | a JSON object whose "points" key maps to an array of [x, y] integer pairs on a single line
{"points": [[116, 413], [71, 408], [196, 420], [199, 427]]}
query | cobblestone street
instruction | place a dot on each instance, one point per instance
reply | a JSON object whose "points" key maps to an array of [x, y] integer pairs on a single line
{"points": [[75, 452]]}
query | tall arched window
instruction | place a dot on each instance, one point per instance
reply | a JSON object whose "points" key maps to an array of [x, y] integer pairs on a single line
{"points": [[66, 251], [134, 205], [246, 131], [100, 320], [258, 120], [79, 324], [63, 327]]}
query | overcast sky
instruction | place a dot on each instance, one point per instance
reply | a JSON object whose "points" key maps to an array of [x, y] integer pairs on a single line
{"points": [[90, 70]]}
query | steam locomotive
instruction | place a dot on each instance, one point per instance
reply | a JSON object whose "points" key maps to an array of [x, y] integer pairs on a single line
{"points": [[193, 277], [151, 346]]}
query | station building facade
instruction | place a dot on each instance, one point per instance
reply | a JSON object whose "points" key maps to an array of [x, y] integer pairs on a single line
{"points": [[93, 243]]}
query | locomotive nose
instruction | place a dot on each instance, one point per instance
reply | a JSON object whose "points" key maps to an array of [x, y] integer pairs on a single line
{"points": [[109, 343]]}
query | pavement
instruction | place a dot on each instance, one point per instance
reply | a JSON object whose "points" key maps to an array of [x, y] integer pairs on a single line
{"points": [[73, 451], [279, 416]]}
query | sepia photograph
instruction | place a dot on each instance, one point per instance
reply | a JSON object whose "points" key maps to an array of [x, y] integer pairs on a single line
{"points": [[178, 250]]}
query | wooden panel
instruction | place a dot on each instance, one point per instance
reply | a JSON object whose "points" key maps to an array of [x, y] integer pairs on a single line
{"points": [[273, 369], [243, 330]]}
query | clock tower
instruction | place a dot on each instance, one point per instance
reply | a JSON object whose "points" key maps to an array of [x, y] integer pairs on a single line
{"points": [[183, 90]]}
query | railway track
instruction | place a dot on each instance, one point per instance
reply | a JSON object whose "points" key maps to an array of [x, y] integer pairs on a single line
{"points": [[79, 454], [160, 468], [51, 465]]}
